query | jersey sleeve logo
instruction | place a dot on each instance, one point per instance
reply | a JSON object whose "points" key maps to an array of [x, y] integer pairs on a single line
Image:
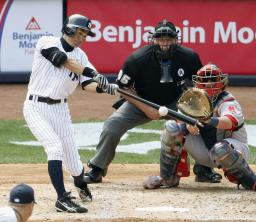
{"points": [[232, 109]]}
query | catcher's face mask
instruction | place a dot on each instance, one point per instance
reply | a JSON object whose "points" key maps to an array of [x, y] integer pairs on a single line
{"points": [[211, 79]]}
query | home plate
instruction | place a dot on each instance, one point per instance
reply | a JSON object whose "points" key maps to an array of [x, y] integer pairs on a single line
{"points": [[162, 209]]}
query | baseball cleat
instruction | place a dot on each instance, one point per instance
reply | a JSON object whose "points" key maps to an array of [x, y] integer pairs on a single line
{"points": [[66, 204], [206, 174], [84, 194]]}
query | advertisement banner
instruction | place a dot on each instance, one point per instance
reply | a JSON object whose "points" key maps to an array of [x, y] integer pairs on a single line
{"points": [[222, 32], [22, 23]]}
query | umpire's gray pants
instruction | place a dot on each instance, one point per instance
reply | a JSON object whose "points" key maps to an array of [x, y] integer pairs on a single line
{"points": [[126, 117], [123, 119]]}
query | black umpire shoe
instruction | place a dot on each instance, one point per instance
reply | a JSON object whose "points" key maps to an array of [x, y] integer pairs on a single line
{"points": [[66, 204], [206, 174], [94, 175]]}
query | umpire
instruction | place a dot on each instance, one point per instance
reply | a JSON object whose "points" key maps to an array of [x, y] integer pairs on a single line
{"points": [[158, 73]]}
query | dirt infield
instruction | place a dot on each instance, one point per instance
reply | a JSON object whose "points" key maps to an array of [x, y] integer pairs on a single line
{"points": [[121, 197]]}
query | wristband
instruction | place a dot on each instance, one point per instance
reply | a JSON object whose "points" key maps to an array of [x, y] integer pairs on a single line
{"points": [[89, 72], [183, 129], [214, 121]]}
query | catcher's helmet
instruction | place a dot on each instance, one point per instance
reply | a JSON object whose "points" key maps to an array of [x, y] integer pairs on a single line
{"points": [[211, 79], [77, 21]]}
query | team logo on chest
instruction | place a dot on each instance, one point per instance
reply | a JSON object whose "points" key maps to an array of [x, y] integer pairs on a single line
{"points": [[181, 72], [73, 76]]}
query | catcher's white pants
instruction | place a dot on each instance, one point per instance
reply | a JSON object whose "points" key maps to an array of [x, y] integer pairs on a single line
{"points": [[195, 145], [52, 127]]}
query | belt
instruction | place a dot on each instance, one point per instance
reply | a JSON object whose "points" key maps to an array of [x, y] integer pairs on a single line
{"points": [[47, 100]]}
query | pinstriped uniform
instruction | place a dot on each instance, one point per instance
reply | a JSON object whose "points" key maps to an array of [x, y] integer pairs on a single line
{"points": [[51, 123]]}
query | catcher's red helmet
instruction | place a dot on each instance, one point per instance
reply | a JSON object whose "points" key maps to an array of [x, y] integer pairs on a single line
{"points": [[211, 79]]}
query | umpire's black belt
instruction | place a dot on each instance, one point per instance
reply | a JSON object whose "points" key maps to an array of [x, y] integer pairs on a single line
{"points": [[47, 100]]}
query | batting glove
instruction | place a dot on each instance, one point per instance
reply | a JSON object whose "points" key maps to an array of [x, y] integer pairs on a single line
{"points": [[110, 89], [101, 80]]}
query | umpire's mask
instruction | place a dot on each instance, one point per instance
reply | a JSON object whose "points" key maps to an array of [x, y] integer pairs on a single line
{"points": [[164, 40]]}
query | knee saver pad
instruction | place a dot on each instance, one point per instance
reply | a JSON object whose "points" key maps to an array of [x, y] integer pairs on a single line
{"points": [[171, 138], [224, 155]]}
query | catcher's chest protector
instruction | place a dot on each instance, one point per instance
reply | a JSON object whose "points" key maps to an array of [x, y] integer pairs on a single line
{"points": [[212, 135]]}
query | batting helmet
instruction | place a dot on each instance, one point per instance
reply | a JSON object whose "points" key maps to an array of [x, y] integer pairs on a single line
{"points": [[77, 21]]}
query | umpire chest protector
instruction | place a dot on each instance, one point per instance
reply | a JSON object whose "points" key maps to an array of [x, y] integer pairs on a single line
{"points": [[146, 73]]}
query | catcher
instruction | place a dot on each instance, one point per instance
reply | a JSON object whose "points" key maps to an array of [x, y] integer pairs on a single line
{"points": [[221, 141]]}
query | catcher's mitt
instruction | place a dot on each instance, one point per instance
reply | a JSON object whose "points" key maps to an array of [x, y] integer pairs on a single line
{"points": [[195, 103]]}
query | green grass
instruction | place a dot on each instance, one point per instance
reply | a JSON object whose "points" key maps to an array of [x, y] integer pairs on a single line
{"points": [[253, 122], [140, 138], [15, 131]]}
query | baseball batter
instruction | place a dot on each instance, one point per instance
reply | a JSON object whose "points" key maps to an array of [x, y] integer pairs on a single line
{"points": [[59, 66], [221, 142]]}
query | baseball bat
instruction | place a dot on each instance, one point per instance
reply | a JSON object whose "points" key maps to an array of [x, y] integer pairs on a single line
{"points": [[174, 114]]}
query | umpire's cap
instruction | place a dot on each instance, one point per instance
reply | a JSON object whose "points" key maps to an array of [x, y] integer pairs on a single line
{"points": [[22, 194], [165, 28], [77, 21]]}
